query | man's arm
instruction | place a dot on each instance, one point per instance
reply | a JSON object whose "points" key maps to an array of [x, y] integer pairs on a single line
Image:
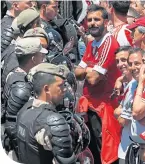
{"points": [[122, 121], [81, 72], [94, 77], [139, 100], [119, 85], [139, 104], [103, 63], [117, 111], [19, 95], [55, 136]]}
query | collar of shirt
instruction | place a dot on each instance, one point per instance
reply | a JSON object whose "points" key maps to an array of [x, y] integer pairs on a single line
{"points": [[9, 13], [37, 102], [99, 43], [18, 69]]}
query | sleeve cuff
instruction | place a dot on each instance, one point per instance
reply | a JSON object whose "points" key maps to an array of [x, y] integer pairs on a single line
{"points": [[100, 69], [127, 114], [83, 64]]}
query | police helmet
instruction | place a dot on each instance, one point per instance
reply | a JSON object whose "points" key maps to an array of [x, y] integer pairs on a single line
{"points": [[55, 40]]}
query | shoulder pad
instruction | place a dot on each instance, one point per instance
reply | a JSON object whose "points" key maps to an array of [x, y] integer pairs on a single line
{"points": [[55, 119], [19, 95], [59, 22], [13, 78], [16, 77]]}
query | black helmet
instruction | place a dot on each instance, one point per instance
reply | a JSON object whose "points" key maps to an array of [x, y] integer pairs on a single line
{"points": [[55, 40]]}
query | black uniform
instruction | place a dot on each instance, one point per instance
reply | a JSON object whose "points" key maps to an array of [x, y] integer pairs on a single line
{"points": [[30, 121], [10, 62], [7, 34], [16, 93], [65, 135], [66, 30], [6, 22]]}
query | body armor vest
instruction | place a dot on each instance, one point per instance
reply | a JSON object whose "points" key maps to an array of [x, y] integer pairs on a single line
{"points": [[31, 152]]}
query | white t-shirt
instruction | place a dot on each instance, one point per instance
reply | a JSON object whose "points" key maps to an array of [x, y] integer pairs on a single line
{"points": [[127, 114]]}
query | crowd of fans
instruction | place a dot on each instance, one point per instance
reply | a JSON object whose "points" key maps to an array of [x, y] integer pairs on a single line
{"points": [[109, 52]]}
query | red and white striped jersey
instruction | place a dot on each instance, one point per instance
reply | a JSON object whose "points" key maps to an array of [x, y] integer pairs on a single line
{"points": [[100, 56], [123, 35]]}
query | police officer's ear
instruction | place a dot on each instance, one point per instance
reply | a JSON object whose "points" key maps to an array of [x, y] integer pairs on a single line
{"points": [[43, 7], [34, 60], [46, 89], [15, 5]]}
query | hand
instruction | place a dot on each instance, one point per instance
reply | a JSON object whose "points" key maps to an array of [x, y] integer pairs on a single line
{"points": [[81, 31], [118, 85], [89, 69], [90, 38], [142, 75], [93, 77]]}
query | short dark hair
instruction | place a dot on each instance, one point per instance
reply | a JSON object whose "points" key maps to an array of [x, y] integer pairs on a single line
{"points": [[23, 59], [40, 79], [40, 3], [121, 7], [122, 48], [135, 50], [93, 8]]}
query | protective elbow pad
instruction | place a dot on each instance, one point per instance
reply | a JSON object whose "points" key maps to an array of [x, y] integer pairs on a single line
{"points": [[19, 95], [85, 131], [61, 141], [6, 38]]}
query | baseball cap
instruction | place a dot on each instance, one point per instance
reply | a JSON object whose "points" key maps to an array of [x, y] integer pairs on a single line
{"points": [[24, 19], [138, 22], [27, 46], [36, 32], [57, 70]]}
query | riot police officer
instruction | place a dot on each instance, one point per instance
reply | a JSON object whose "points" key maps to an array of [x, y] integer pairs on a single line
{"points": [[14, 9], [50, 19], [17, 90], [27, 19], [44, 134]]}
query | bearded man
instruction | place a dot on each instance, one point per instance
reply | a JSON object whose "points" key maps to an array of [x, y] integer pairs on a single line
{"points": [[98, 69]]}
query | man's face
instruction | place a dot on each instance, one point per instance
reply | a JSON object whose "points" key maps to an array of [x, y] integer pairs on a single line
{"points": [[137, 6], [96, 24], [121, 61], [130, 19], [51, 10], [57, 90], [22, 5], [137, 37], [135, 62], [105, 4]]}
